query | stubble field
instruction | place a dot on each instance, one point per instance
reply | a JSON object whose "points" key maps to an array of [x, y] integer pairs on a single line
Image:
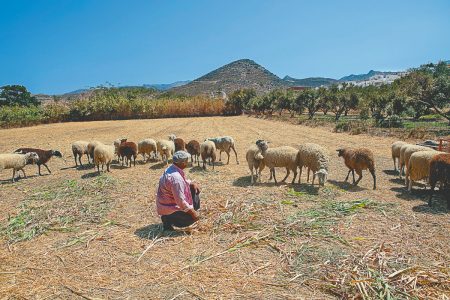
{"points": [[73, 234]]}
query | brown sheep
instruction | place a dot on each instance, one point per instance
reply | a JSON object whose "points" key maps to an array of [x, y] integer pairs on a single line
{"points": [[440, 171], [179, 144], [128, 150], [193, 148], [358, 159]]}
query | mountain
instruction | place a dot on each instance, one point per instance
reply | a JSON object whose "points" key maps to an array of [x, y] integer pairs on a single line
{"points": [[310, 81], [166, 86], [243, 73], [367, 76]]}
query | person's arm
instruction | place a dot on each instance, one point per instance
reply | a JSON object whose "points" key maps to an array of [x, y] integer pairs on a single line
{"points": [[196, 187]]}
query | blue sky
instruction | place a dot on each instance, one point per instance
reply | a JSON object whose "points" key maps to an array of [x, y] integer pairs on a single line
{"points": [[56, 46]]}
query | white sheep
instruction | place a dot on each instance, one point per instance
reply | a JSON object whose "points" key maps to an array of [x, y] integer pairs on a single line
{"points": [[17, 162], [255, 162], [147, 146], [166, 149], [79, 148], [103, 154], [224, 144], [316, 159], [395, 151], [409, 150], [283, 156], [208, 150], [419, 166]]}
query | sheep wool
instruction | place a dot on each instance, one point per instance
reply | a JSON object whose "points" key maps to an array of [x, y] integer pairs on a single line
{"points": [[284, 156], [165, 149], [224, 144], [255, 162], [408, 151], [395, 151], [79, 148], [103, 154], [419, 166], [440, 172], [315, 158], [208, 150], [147, 146], [17, 161]]}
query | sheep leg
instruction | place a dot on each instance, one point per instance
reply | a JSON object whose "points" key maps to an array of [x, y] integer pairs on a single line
{"points": [[374, 179], [348, 174], [353, 173], [300, 174], [359, 172], [75, 157], [134, 159], [228, 153], [107, 167], [235, 153], [23, 171], [295, 176], [274, 178], [314, 177], [45, 165], [14, 174], [410, 185], [251, 177], [307, 177], [287, 174], [220, 155], [401, 171], [39, 170], [395, 165]]}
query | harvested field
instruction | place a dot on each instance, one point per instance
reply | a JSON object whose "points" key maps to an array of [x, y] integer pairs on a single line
{"points": [[73, 234]]}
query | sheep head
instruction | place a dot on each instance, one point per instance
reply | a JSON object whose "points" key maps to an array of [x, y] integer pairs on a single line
{"points": [[322, 176], [262, 145], [340, 152], [172, 137]]}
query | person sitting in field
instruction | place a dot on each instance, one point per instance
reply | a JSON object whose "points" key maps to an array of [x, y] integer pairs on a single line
{"points": [[177, 199]]}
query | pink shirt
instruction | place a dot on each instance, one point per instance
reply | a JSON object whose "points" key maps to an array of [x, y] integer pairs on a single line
{"points": [[174, 192]]}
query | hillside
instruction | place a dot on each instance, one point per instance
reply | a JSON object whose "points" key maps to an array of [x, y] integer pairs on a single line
{"points": [[360, 77], [310, 81], [244, 73]]}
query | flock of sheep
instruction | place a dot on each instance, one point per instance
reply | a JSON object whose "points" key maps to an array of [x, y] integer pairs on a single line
{"points": [[417, 162], [421, 163]]}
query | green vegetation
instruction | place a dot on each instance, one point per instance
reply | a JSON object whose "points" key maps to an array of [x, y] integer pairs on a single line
{"points": [[110, 103]]}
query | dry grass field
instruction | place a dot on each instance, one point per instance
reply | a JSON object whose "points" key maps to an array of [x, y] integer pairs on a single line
{"points": [[75, 235]]}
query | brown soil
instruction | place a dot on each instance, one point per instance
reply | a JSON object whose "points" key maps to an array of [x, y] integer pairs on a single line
{"points": [[241, 248]]}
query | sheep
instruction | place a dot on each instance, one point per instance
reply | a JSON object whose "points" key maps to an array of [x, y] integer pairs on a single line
{"points": [[17, 162], [147, 146], [208, 150], [358, 159], [103, 154], [408, 151], [178, 142], [91, 148], [224, 144], [419, 166], [117, 143], [166, 149], [79, 148], [395, 151], [316, 159], [128, 150], [193, 148], [44, 156], [440, 171], [284, 156], [255, 161]]}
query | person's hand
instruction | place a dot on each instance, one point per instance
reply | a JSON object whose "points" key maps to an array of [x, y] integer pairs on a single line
{"points": [[193, 214], [196, 187]]}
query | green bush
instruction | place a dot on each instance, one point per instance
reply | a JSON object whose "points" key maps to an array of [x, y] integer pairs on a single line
{"points": [[393, 121], [430, 118]]}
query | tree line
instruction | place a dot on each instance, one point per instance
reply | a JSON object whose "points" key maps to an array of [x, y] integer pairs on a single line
{"points": [[420, 92]]}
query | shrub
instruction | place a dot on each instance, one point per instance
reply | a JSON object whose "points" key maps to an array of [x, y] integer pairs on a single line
{"points": [[392, 121], [430, 118]]}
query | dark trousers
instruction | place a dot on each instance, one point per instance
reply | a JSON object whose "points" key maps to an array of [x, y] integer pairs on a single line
{"points": [[181, 218]]}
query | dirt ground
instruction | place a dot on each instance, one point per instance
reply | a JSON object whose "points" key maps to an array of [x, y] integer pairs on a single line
{"points": [[253, 242]]}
